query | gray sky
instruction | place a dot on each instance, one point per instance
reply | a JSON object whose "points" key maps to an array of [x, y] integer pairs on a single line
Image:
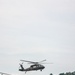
{"points": [[36, 30]]}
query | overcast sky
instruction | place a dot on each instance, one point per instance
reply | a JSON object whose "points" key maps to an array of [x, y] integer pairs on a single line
{"points": [[36, 30]]}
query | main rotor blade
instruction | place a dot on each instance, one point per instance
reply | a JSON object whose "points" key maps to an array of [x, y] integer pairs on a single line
{"points": [[42, 61], [28, 61], [46, 63]]}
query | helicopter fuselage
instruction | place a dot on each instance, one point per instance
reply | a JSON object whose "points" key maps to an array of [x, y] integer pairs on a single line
{"points": [[32, 68]]}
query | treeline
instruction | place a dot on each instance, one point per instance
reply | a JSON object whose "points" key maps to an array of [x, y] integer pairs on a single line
{"points": [[68, 73]]}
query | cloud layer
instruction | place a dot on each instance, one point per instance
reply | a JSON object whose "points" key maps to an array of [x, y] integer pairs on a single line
{"points": [[34, 30]]}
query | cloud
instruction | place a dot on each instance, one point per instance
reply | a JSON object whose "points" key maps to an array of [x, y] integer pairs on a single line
{"points": [[35, 8]]}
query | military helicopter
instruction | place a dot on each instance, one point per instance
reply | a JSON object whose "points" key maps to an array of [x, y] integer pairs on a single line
{"points": [[34, 67]]}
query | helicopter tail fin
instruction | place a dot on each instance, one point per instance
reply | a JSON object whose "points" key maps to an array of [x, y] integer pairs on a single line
{"points": [[22, 69]]}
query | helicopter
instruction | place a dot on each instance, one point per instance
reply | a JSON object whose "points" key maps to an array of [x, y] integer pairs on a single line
{"points": [[34, 67]]}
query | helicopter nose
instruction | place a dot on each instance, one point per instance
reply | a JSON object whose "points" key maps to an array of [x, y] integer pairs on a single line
{"points": [[43, 67]]}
